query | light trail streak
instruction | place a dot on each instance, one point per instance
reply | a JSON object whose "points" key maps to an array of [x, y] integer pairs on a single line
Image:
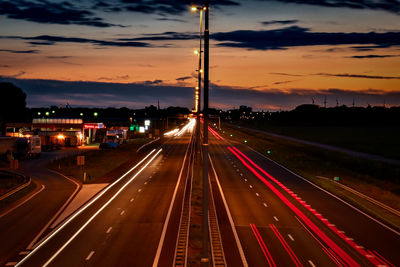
{"points": [[264, 248], [286, 245], [341, 253], [171, 132], [341, 234], [81, 210], [100, 210], [190, 126]]}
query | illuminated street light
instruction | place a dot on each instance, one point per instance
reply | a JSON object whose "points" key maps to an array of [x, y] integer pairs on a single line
{"points": [[47, 113], [205, 257], [39, 113], [196, 52], [81, 114], [53, 111], [95, 114]]}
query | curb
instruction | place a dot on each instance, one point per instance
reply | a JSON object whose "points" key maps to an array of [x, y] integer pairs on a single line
{"points": [[15, 189]]}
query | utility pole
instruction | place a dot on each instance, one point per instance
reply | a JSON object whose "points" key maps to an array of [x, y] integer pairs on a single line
{"points": [[198, 89], [205, 259]]}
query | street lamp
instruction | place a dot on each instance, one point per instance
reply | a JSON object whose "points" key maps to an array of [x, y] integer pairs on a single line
{"points": [[204, 253]]}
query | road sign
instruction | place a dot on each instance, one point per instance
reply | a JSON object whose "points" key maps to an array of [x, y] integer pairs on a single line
{"points": [[80, 160]]}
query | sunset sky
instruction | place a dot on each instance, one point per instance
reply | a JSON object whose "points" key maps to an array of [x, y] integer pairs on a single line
{"points": [[266, 54]]}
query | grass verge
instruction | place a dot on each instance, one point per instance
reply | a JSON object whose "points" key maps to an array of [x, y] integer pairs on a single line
{"points": [[380, 181], [98, 163], [382, 141]]}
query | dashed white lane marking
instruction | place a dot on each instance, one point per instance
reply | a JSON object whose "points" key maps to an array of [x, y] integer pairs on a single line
{"points": [[237, 170], [150, 177], [265, 205], [276, 218], [245, 179], [257, 194], [250, 186], [24, 253], [234, 166], [132, 199], [122, 212], [109, 230], [311, 263], [241, 174], [140, 190], [11, 263], [291, 237], [145, 182], [90, 255]]}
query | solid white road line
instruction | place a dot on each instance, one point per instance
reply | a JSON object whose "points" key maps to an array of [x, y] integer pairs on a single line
{"points": [[26, 200], [239, 245], [84, 208], [90, 255], [331, 194], [161, 243], [77, 188], [100, 210]]}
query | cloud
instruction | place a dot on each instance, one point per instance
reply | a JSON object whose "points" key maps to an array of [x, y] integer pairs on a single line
{"points": [[286, 74], [58, 57], [182, 79], [137, 95], [20, 51], [165, 36], [279, 22], [160, 7], [392, 6], [373, 56], [17, 75], [50, 12], [60, 39], [154, 82], [346, 75], [171, 19], [297, 36], [284, 82]]}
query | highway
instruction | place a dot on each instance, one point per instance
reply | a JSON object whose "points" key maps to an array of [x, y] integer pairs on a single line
{"points": [[267, 216], [124, 225], [281, 219], [21, 225]]}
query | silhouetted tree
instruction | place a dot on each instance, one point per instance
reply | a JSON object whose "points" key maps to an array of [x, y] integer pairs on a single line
{"points": [[12, 104]]}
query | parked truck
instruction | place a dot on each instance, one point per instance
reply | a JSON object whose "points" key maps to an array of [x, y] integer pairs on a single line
{"points": [[19, 147]]}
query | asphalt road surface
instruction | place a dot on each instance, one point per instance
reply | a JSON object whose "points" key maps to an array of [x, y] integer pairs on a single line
{"points": [[19, 227], [123, 225], [267, 215], [283, 220]]}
